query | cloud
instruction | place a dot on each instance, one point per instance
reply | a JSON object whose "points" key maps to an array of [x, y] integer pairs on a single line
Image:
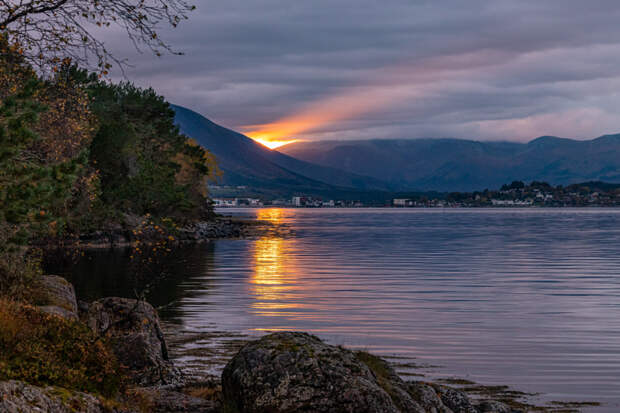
{"points": [[355, 69]]}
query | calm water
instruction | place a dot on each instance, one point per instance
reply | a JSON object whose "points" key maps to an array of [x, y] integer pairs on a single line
{"points": [[529, 298]]}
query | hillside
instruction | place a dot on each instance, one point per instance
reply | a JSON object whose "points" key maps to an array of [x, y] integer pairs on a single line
{"points": [[245, 162], [465, 165]]}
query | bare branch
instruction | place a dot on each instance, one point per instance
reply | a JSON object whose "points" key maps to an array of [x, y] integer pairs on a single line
{"points": [[47, 33]]}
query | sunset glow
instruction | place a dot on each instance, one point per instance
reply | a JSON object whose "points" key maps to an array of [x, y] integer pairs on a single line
{"points": [[271, 143], [350, 104], [384, 87]]}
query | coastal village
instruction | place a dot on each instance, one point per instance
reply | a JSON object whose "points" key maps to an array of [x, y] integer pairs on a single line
{"points": [[514, 195]]}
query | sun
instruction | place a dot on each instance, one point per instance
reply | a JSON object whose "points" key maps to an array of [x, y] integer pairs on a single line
{"points": [[269, 140]]}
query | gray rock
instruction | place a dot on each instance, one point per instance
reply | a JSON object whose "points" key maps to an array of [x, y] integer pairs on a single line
{"points": [[137, 340], [427, 397], [59, 311], [491, 406], [56, 296], [297, 372], [19, 397], [455, 400]]}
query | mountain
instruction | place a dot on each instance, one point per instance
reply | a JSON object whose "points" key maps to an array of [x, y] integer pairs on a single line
{"points": [[465, 165], [247, 163]]}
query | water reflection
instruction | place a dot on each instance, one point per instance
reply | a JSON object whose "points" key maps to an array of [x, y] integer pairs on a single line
{"points": [[522, 297], [274, 277]]}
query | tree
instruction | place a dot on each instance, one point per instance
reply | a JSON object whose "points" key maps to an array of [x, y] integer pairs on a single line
{"points": [[45, 131], [48, 33], [147, 166], [45, 180]]}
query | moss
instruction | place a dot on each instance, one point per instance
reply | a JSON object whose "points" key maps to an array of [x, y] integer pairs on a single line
{"points": [[207, 391], [44, 349], [382, 371], [377, 365]]}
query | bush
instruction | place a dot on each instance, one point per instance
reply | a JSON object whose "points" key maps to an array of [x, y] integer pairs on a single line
{"points": [[44, 349], [18, 266]]}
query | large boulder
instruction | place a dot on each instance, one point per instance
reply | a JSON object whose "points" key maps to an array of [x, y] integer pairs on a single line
{"points": [[135, 334], [55, 295], [19, 397], [297, 372]]}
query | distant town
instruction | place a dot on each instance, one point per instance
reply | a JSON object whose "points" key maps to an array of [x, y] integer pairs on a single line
{"points": [[516, 194]]}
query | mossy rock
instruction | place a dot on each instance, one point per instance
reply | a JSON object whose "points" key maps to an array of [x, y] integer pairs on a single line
{"points": [[297, 372]]}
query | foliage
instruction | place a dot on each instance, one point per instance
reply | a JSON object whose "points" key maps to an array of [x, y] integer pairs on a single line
{"points": [[146, 165], [45, 349], [79, 155], [45, 130], [18, 268], [48, 33]]}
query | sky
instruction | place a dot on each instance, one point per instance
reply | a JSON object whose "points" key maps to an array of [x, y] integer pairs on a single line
{"points": [[365, 69]]}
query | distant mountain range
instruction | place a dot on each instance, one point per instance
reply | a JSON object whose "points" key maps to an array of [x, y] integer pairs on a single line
{"points": [[371, 169], [464, 165], [268, 172]]}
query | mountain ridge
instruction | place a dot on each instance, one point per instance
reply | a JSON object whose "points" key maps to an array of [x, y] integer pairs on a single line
{"points": [[248, 163], [448, 164], [351, 168]]}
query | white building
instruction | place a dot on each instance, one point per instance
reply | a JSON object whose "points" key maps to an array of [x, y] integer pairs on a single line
{"points": [[402, 202], [225, 202]]}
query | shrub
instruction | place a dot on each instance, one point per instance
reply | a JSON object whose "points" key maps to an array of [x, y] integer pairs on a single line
{"points": [[44, 349]]}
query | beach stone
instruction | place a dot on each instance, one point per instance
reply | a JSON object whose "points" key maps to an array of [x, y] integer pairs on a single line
{"points": [[55, 295], [427, 397], [20, 397], [455, 400], [297, 372], [136, 338], [491, 406]]}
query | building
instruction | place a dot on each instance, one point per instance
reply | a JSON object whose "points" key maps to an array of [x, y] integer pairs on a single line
{"points": [[402, 202], [225, 202], [236, 202]]}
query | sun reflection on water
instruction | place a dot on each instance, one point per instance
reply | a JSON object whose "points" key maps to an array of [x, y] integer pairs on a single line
{"points": [[274, 277]]}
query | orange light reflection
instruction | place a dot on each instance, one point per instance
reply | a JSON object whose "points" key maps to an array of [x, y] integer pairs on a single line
{"points": [[274, 278]]}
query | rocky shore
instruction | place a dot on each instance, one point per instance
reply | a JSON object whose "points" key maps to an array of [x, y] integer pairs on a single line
{"points": [[279, 373], [132, 231]]}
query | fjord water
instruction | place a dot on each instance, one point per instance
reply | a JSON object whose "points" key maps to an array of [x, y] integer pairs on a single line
{"points": [[525, 297]]}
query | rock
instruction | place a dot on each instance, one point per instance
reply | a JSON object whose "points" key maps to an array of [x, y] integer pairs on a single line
{"points": [[55, 295], [136, 338], [491, 406], [59, 311], [427, 397], [455, 400], [170, 401], [19, 397], [297, 372]]}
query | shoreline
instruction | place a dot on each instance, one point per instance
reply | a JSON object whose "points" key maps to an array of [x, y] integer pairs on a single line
{"points": [[210, 390], [205, 363], [221, 227], [473, 390]]}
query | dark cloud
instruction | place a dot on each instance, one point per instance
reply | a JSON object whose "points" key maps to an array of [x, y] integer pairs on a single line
{"points": [[486, 69]]}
